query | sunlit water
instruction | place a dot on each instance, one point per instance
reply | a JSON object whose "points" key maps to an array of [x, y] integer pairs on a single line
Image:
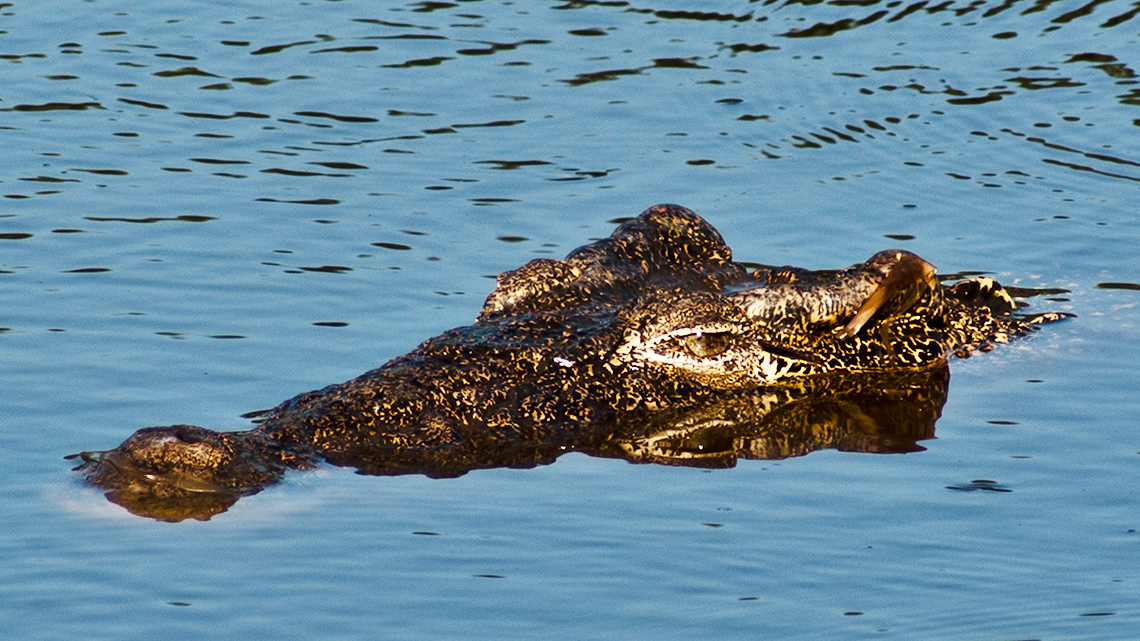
{"points": [[209, 208]]}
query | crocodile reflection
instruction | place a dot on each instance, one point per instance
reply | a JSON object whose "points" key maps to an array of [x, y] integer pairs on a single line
{"points": [[882, 413], [652, 345]]}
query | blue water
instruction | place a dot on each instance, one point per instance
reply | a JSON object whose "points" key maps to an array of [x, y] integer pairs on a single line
{"points": [[208, 208]]}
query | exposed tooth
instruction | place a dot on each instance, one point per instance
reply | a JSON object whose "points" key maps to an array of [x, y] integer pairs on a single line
{"points": [[907, 271]]}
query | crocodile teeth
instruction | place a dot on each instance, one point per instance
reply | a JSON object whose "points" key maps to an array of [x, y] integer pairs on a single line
{"points": [[908, 271]]}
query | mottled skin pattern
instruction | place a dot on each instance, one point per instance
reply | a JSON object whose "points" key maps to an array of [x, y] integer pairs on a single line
{"points": [[651, 345]]}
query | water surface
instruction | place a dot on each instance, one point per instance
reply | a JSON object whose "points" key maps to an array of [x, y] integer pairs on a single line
{"points": [[209, 208]]}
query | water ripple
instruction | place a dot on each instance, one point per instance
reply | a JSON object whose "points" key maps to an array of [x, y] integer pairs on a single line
{"points": [[258, 173]]}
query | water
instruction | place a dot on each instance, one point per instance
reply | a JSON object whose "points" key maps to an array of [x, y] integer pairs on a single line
{"points": [[210, 207]]}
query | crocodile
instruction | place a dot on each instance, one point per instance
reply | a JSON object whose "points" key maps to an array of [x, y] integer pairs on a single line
{"points": [[652, 345]]}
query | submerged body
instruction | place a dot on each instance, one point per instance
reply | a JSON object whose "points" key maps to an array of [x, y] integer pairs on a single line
{"points": [[617, 350]]}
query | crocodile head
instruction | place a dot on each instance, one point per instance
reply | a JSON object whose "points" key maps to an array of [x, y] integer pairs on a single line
{"points": [[661, 299], [655, 325]]}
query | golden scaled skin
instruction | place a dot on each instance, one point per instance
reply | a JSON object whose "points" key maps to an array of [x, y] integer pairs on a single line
{"points": [[650, 330]]}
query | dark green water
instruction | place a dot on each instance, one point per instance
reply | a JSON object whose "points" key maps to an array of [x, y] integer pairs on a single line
{"points": [[208, 208]]}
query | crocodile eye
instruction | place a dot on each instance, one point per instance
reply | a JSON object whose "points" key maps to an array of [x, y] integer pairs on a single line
{"points": [[706, 344]]}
